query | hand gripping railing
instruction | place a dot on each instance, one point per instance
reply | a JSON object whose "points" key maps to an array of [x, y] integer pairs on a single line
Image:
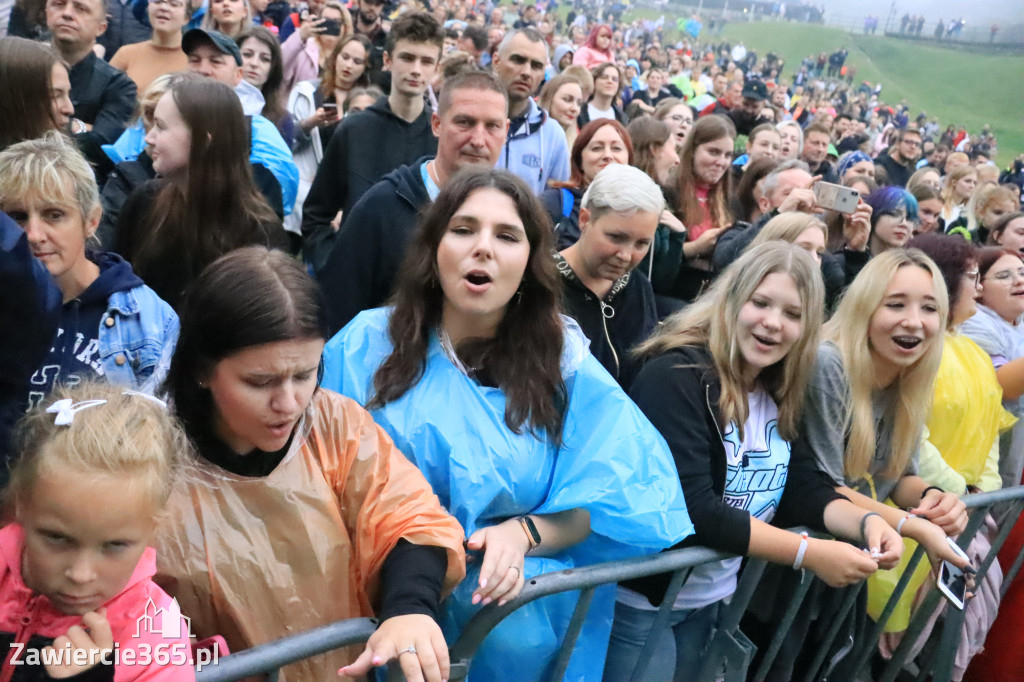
{"points": [[268, 658]]}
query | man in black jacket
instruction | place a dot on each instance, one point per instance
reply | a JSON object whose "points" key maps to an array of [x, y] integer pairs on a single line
{"points": [[104, 97], [470, 125], [371, 143], [901, 161]]}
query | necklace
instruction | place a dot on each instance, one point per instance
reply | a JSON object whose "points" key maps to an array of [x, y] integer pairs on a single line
{"points": [[449, 350]]}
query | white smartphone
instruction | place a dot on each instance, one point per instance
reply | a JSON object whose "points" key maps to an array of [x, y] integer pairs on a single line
{"points": [[952, 581], [835, 197]]}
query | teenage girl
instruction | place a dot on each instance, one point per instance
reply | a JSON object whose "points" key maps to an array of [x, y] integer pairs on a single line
{"points": [[724, 384], [96, 465]]}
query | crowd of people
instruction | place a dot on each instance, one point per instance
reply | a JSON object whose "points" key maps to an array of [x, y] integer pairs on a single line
{"points": [[316, 311]]}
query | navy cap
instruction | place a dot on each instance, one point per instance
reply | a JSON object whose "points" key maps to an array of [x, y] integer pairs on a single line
{"points": [[755, 89], [198, 36]]}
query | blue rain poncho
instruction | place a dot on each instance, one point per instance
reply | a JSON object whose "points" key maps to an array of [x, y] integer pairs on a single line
{"points": [[612, 462]]}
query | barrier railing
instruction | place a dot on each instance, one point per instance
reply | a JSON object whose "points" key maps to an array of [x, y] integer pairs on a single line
{"points": [[268, 658]]}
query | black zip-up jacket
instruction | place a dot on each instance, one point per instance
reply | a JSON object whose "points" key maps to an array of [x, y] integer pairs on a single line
{"points": [[103, 97], [365, 257], [614, 324], [679, 392], [364, 148]]}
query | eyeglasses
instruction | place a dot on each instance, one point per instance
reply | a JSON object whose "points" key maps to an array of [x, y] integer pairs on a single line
{"points": [[679, 118], [173, 4], [1007, 275], [973, 276]]}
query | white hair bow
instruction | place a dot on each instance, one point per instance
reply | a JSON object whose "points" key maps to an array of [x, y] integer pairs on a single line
{"points": [[66, 410]]}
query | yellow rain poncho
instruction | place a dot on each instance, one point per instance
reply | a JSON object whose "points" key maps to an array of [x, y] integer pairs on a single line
{"points": [[966, 419]]}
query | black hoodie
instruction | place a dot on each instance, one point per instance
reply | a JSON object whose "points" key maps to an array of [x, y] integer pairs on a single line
{"points": [[624, 318], [75, 353], [364, 148], [364, 259]]}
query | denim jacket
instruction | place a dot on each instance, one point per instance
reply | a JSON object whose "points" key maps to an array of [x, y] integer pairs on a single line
{"points": [[137, 338]]}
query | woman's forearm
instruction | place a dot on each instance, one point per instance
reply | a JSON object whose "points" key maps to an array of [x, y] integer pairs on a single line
{"points": [[560, 530]]}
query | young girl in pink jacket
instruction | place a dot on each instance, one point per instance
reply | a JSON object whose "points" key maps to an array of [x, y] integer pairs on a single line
{"points": [[95, 467]]}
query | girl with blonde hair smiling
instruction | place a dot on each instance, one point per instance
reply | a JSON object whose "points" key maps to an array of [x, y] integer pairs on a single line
{"points": [[725, 379]]}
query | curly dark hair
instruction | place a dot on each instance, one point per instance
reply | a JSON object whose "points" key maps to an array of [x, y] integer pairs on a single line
{"points": [[953, 254], [523, 359]]}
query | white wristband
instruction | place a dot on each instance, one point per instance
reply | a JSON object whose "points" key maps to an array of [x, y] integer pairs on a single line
{"points": [[798, 564], [899, 526]]}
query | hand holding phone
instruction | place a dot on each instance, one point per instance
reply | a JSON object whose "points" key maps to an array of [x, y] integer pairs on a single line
{"points": [[952, 580], [835, 197]]}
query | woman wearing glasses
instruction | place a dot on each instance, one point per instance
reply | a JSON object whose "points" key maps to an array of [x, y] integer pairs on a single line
{"points": [[162, 53]]}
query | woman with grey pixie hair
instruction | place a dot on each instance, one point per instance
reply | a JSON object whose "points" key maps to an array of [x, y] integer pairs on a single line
{"points": [[613, 302]]}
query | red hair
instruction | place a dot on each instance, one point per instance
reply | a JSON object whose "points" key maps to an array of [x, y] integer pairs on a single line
{"points": [[583, 138], [596, 31]]}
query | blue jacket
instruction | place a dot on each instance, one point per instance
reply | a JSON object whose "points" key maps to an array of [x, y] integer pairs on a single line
{"points": [[133, 340], [29, 308], [536, 149]]}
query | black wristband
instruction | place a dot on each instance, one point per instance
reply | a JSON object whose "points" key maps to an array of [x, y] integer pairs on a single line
{"points": [[931, 487], [863, 524]]}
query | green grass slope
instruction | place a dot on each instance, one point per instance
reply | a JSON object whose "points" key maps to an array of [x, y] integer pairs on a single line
{"points": [[958, 87]]}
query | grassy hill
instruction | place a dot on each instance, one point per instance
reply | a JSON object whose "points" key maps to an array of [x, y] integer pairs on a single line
{"points": [[958, 87]]}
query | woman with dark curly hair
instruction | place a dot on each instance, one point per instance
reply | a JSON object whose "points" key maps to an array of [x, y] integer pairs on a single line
{"points": [[525, 438]]}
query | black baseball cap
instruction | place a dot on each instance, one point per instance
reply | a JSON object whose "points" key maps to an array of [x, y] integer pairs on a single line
{"points": [[755, 89], [198, 36]]}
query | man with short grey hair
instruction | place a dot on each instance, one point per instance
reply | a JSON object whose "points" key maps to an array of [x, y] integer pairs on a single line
{"points": [[536, 149]]}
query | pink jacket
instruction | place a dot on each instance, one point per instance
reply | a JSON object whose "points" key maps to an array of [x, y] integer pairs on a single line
{"points": [[25, 614], [588, 57], [300, 61]]}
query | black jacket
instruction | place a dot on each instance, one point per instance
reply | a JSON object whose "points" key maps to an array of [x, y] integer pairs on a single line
{"points": [[365, 257], [614, 324], [734, 241], [104, 97], [567, 227], [895, 172], [679, 392], [364, 148]]}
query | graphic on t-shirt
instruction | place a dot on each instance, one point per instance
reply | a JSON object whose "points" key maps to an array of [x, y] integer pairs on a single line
{"points": [[757, 467]]}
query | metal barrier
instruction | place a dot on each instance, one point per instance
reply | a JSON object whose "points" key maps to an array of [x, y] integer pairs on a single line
{"points": [[938, 666]]}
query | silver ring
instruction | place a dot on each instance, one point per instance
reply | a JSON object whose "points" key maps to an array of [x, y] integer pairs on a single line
{"points": [[518, 572], [410, 650]]}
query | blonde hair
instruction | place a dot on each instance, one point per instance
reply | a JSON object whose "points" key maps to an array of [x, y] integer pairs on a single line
{"points": [[711, 321], [50, 168], [848, 330], [788, 227], [210, 24], [130, 436], [948, 192], [581, 75], [983, 197]]}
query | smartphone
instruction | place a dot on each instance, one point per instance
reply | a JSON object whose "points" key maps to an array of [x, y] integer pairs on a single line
{"points": [[332, 27], [836, 197], [330, 107], [951, 581]]}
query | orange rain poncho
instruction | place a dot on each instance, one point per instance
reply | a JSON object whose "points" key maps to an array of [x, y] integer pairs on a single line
{"points": [[256, 559]]}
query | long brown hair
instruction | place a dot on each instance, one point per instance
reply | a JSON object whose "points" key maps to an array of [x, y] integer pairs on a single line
{"points": [[274, 108], [331, 66], [26, 70], [586, 134], [706, 129], [648, 135], [249, 297], [523, 358], [220, 208]]}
